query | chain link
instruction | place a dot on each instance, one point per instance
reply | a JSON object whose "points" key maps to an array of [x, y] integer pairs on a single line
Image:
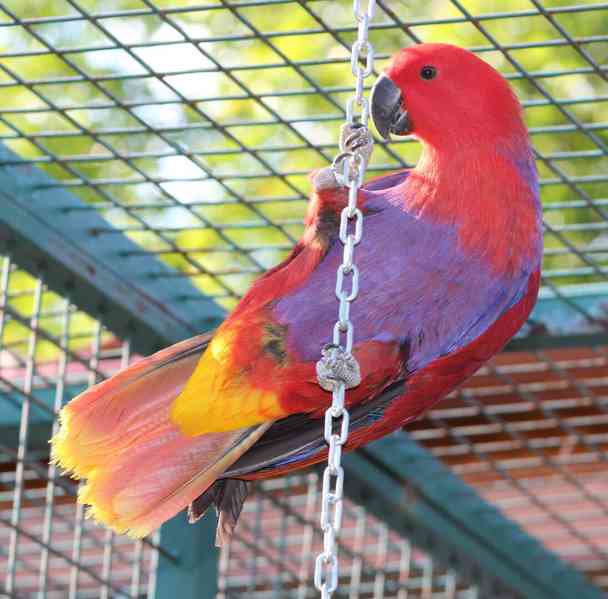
{"points": [[349, 167]]}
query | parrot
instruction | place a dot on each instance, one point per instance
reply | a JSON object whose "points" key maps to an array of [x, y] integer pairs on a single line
{"points": [[449, 270]]}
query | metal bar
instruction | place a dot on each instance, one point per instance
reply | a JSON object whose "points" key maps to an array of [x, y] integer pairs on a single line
{"points": [[252, 3], [236, 176], [22, 447], [579, 40], [192, 571], [44, 230], [52, 469], [404, 485], [137, 103], [556, 322], [63, 80], [94, 158]]}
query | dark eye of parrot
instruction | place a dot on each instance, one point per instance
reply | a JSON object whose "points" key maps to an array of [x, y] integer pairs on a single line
{"points": [[428, 72]]}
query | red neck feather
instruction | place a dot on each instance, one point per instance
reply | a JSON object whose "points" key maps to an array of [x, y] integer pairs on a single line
{"points": [[486, 196]]}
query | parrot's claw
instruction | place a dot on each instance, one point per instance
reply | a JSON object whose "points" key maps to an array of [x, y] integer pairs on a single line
{"points": [[335, 365], [357, 138], [353, 138]]}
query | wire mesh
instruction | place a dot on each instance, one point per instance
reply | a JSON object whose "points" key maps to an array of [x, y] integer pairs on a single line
{"points": [[50, 351], [529, 433], [191, 127], [272, 553]]}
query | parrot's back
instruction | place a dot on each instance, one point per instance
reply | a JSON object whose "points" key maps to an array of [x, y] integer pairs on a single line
{"points": [[419, 288]]}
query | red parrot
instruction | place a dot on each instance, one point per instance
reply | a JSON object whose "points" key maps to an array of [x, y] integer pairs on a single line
{"points": [[449, 271]]}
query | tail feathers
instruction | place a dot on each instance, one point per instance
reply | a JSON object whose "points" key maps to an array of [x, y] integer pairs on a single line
{"points": [[140, 470], [138, 491], [130, 409], [228, 496]]}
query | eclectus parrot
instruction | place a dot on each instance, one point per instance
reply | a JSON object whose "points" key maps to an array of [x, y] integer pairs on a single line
{"points": [[449, 271]]}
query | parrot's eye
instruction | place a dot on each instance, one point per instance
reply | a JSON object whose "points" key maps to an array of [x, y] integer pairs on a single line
{"points": [[428, 72]]}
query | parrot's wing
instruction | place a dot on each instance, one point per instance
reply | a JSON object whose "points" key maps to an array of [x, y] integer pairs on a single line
{"points": [[298, 440], [289, 443], [140, 469], [300, 437]]}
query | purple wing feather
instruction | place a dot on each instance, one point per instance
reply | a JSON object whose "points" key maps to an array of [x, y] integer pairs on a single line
{"points": [[417, 286]]}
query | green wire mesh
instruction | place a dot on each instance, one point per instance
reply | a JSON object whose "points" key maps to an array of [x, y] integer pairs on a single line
{"points": [[191, 127]]}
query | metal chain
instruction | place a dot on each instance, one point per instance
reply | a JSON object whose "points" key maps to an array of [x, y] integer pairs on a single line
{"points": [[337, 358]]}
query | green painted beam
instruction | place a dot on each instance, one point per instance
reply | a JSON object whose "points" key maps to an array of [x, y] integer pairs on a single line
{"points": [[40, 420], [578, 316], [402, 484], [47, 231], [189, 570]]}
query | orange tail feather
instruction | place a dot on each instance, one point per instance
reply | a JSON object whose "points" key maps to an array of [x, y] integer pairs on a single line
{"points": [[140, 470]]}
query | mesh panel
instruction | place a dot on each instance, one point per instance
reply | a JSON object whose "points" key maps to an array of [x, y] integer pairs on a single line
{"points": [[529, 433], [273, 551], [50, 351], [191, 127]]}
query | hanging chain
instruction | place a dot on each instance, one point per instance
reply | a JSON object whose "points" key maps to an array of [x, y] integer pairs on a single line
{"points": [[338, 368]]}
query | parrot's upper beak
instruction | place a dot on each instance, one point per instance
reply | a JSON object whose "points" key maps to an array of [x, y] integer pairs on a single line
{"points": [[387, 110]]}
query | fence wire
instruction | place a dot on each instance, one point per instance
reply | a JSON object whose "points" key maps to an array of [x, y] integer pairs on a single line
{"points": [[191, 127], [529, 432], [272, 553], [49, 352]]}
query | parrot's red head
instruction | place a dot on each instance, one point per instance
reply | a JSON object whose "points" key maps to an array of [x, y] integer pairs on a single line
{"points": [[476, 170], [442, 93]]}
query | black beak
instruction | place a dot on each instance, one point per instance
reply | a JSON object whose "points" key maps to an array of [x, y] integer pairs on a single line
{"points": [[387, 112]]}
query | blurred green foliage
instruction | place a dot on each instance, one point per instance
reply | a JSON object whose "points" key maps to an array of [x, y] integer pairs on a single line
{"points": [[196, 163]]}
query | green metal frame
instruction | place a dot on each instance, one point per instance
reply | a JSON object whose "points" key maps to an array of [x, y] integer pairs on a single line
{"points": [[562, 314], [192, 570], [46, 231]]}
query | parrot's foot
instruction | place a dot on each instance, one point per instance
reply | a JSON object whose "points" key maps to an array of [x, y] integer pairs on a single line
{"points": [[228, 495], [325, 179], [337, 365], [357, 138], [353, 138]]}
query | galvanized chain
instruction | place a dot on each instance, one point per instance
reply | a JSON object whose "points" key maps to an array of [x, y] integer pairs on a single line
{"points": [[338, 369]]}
